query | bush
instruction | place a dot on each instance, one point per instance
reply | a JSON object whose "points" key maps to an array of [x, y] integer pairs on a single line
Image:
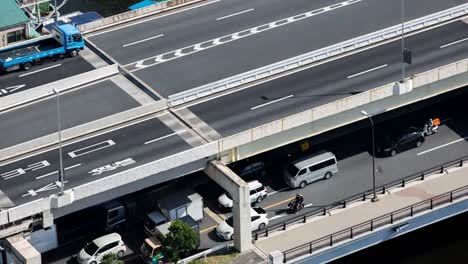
{"points": [[180, 239], [111, 259]]}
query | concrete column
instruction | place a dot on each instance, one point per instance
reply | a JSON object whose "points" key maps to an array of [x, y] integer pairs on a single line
{"points": [[47, 219], [240, 194], [22, 250]]}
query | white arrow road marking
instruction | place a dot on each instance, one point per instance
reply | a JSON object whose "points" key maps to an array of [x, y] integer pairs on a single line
{"points": [[13, 174], [49, 187], [140, 65], [14, 88], [38, 165]]}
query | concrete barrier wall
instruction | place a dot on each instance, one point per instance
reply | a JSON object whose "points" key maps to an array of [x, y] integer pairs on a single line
{"points": [[294, 124], [84, 129], [40, 92], [4, 217]]}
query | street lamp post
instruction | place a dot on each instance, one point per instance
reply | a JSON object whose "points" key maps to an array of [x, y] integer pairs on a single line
{"points": [[402, 40], [55, 9], [57, 92], [374, 198]]}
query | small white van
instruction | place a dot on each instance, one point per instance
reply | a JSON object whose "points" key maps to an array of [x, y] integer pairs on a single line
{"points": [[310, 169]]}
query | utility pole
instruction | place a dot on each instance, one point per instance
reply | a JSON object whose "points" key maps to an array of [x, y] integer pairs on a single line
{"points": [[57, 92]]}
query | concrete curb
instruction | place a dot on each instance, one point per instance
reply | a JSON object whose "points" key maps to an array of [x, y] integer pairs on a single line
{"points": [[82, 130], [46, 90]]}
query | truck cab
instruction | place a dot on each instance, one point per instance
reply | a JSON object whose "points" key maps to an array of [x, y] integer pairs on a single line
{"points": [[70, 38]]}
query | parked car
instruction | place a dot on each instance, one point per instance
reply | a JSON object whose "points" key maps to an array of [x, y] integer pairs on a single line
{"points": [[258, 192], [250, 171], [393, 144], [258, 218], [94, 251]]}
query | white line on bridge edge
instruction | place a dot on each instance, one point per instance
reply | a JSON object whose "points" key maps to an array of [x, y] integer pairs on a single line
{"points": [[373, 69], [143, 40], [453, 43], [272, 102], [43, 69], [235, 14], [441, 146], [163, 137]]}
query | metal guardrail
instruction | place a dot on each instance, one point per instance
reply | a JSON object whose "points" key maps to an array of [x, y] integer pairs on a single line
{"points": [[203, 254], [358, 197], [369, 226], [318, 55]]}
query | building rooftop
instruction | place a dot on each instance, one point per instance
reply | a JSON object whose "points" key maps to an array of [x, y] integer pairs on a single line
{"points": [[11, 14]]}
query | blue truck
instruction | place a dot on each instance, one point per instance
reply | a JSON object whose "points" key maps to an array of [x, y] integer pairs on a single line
{"points": [[64, 40]]}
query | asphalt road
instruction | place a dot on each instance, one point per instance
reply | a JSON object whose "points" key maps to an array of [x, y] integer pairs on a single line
{"points": [[49, 71], [77, 107], [84, 161], [165, 36], [331, 81]]}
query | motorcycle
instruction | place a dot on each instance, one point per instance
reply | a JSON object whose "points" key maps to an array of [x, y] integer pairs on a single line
{"points": [[292, 209], [431, 127]]}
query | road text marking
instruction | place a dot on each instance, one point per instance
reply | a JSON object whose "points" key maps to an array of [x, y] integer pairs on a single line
{"points": [[43, 69], [453, 43], [373, 69], [441, 146], [235, 14], [20, 171], [111, 167], [92, 148], [272, 102], [143, 40]]}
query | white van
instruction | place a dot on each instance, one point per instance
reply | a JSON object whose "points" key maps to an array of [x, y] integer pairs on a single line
{"points": [[310, 169]]}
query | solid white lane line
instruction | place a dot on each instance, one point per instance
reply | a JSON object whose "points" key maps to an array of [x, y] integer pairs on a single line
{"points": [[453, 43], [54, 172], [45, 175], [163, 137], [441, 146], [109, 143], [73, 166], [364, 72], [277, 216], [308, 205], [43, 69], [143, 40], [272, 102], [235, 14]]}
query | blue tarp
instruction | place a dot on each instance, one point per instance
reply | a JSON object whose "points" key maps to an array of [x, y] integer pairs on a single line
{"points": [[77, 20], [142, 4]]}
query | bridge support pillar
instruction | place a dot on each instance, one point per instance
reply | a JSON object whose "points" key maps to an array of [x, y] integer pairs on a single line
{"points": [[240, 193], [22, 251]]}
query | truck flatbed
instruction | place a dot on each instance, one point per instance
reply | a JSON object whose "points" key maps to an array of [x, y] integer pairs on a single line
{"points": [[29, 50]]}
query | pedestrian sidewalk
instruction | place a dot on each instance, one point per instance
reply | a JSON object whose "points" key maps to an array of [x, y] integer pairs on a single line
{"points": [[360, 212]]}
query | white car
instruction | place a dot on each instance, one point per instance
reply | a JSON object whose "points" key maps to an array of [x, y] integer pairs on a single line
{"points": [[258, 218], [93, 252], [258, 192]]}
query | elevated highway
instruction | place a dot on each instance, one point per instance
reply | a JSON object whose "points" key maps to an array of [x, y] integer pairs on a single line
{"points": [[262, 116]]}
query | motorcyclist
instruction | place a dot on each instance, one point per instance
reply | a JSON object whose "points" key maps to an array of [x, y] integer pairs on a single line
{"points": [[428, 126], [298, 200]]}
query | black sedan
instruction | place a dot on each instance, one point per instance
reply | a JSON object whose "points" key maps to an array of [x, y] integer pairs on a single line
{"points": [[393, 144]]}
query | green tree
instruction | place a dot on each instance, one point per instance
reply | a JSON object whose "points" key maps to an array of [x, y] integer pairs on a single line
{"points": [[181, 239], [111, 258]]}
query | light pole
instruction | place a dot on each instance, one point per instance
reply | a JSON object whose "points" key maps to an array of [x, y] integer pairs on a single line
{"points": [[402, 41], [374, 198], [57, 92], [55, 9]]}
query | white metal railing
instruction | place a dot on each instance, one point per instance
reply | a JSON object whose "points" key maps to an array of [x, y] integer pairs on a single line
{"points": [[318, 55], [204, 253]]}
